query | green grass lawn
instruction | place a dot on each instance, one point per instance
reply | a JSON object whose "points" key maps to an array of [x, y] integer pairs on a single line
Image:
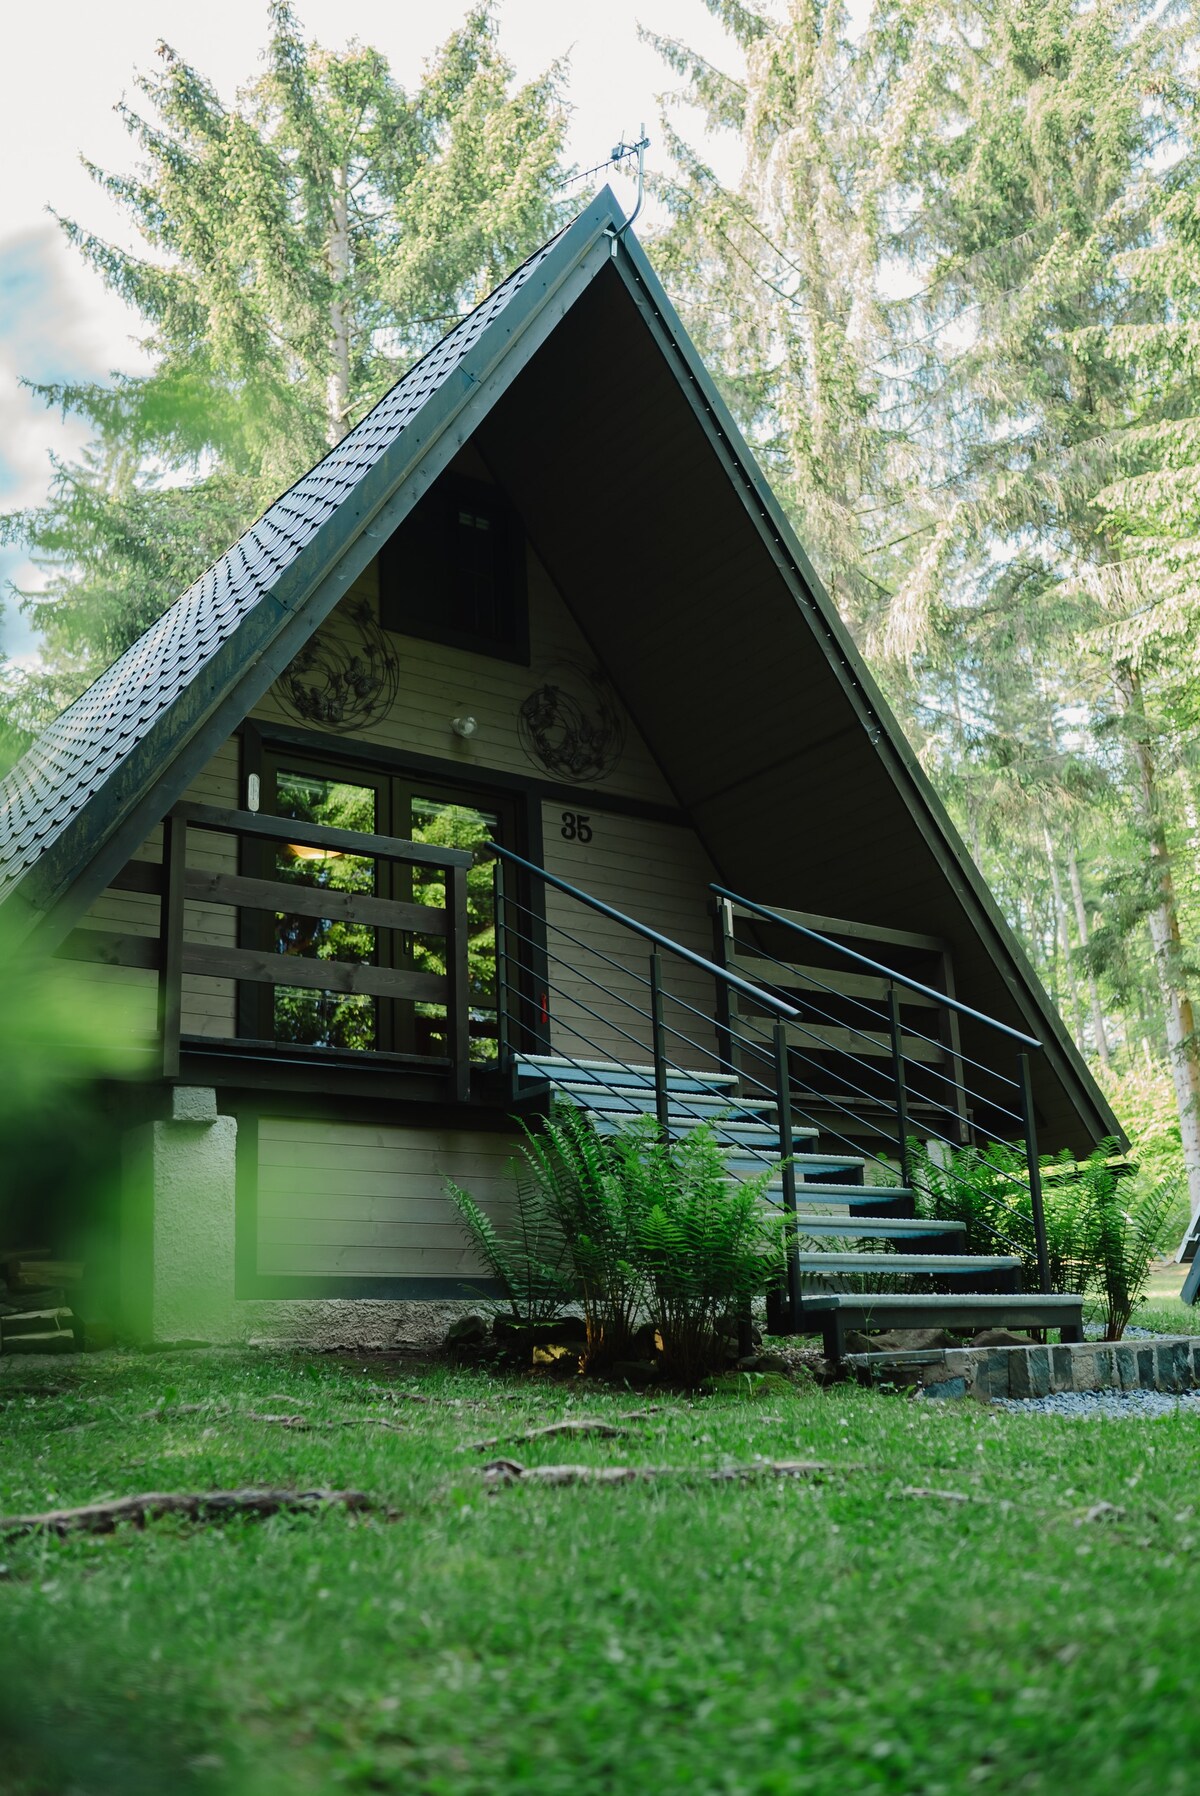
{"points": [[771, 1636], [1161, 1310]]}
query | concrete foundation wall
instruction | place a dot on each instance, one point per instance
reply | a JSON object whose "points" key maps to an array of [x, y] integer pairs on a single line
{"points": [[178, 1218], [178, 1230]]}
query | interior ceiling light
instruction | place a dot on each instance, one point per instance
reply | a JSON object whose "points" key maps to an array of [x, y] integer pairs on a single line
{"points": [[304, 853]]}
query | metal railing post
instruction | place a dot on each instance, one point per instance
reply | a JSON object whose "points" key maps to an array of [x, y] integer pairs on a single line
{"points": [[504, 1053], [458, 1010], [662, 1100], [901, 1085], [1035, 1172], [170, 943], [783, 1100]]}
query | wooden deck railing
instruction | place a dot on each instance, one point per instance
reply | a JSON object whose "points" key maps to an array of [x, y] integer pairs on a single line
{"points": [[173, 954]]}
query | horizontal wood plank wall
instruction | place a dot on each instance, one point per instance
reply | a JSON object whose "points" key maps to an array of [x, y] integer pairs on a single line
{"points": [[657, 873], [359, 1200], [208, 1004], [438, 683]]}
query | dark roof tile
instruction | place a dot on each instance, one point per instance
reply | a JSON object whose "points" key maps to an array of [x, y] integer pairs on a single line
{"points": [[72, 759]]}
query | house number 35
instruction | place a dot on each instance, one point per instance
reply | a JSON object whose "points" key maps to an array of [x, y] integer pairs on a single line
{"points": [[576, 827]]}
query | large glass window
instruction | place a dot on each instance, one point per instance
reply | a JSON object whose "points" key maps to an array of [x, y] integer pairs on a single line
{"points": [[325, 1019], [451, 825], [389, 805]]}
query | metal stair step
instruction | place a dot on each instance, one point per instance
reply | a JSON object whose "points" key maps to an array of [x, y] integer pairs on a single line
{"points": [[807, 1164], [853, 1194], [609, 1122], [617, 1095], [914, 1263], [885, 1228], [1048, 1304], [832, 1313], [728, 1130], [548, 1066], [753, 1161], [861, 1210]]}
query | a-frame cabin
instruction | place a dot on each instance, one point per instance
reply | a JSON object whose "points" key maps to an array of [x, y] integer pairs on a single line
{"points": [[542, 597]]}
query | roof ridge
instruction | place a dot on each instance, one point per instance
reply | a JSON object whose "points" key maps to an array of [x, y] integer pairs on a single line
{"points": [[73, 757], [281, 496]]}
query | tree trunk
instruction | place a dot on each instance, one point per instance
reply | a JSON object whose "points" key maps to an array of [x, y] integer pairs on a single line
{"points": [[1098, 1027], [337, 404], [1064, 938], [1167, 945]]}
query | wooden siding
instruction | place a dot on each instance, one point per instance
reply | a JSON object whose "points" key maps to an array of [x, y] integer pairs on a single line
{"points": [[654, 871], [359, 1200], [208, 1003], [438, 683], [658, 874]]}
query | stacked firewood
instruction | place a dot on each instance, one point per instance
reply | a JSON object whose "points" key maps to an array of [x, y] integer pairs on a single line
{"points": [[35, 1313]]}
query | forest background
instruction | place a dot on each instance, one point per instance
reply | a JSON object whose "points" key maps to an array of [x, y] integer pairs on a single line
{"points": [[943, 258]]}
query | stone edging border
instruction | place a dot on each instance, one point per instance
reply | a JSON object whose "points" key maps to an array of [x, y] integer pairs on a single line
{"points": [[1169, 1364]]}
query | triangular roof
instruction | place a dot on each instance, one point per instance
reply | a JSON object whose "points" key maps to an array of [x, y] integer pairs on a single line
{"points": [[88, 792]]}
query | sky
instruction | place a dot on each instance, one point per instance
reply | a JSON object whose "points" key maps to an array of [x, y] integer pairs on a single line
{"points": [[68, 63]]}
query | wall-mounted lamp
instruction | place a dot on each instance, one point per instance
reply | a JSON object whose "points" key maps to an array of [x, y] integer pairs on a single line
{"points": [[463, 726]]}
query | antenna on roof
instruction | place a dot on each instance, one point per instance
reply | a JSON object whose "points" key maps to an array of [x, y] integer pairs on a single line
{"points": [[620, 151]]}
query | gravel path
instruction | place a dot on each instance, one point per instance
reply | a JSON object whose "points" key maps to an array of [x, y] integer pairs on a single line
{"points": [[1083, 1406]]}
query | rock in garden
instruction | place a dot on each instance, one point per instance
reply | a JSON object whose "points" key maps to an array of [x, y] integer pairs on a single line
{"points": [[467, 1331], [633, 1371]]}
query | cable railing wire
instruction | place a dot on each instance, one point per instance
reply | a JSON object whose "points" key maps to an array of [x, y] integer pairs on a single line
{"points": [[764, 1057], [572, 998], [876, 966], [910, 1030], [758, 953]]}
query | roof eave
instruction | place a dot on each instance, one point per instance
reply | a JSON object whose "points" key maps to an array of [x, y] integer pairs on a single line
{"points": [[909, 778], [47, 901]]}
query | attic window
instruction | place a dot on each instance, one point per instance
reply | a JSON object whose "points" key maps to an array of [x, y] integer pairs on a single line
{"points": [[454, 571]]}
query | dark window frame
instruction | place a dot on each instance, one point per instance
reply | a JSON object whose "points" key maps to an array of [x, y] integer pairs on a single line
{"points": [[425, 549], [396, 784]]}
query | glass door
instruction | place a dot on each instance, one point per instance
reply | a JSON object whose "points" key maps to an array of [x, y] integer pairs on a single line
{"points": [[306, 1014], [445, 816], [454, 822]]}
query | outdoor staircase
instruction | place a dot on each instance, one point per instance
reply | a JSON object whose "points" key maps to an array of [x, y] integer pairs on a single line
{"points": [[852, 1235]]}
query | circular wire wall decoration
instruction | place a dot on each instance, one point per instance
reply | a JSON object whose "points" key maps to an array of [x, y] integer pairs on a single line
{"points": [[571, 724], [345, 679]]}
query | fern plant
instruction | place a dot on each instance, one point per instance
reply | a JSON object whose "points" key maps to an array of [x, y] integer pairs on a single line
{"points": [[631, 1227], [580, 1179], [531, 1263], [980, 1189], [1096, 1246], [1127, 1243], [707, 1243]]}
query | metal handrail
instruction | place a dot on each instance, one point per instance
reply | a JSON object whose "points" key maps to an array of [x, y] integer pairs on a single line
{"points": [[1022, 1084], [720, 974], [877, 966]]}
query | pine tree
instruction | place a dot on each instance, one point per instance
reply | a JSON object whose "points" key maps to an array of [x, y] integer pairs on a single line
{"points": [[777, 275], [302, 247], [1031, 197], [945, 225]]}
